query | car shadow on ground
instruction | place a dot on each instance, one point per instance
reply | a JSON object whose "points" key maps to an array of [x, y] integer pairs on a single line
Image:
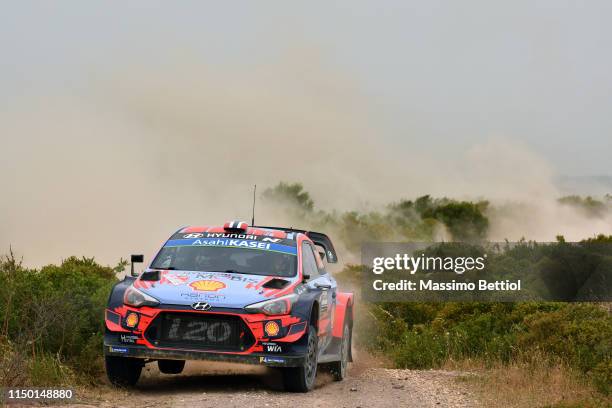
{"points": [[162, 383], [200, 377]]}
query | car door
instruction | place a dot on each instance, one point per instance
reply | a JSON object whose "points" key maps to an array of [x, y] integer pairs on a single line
{"points": [[322, 283]]}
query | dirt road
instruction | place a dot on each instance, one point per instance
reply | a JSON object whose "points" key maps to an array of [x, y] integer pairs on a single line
{"points": [[218, 385]]}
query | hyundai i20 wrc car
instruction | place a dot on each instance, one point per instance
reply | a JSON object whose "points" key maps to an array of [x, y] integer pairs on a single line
{"points": [[235, 293]]}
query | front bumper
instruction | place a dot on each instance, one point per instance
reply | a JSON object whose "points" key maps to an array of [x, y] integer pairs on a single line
{"points": [[137, 351], [287, 349]]}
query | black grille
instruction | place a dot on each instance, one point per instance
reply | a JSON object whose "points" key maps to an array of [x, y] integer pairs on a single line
{"points": [[199, 331]]}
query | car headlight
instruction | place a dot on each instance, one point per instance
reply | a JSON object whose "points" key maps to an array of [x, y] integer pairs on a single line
{"points": [[134, 297], [273, 307]]}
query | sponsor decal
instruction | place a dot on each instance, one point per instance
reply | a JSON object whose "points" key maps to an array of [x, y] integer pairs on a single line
{"points": [[265, 244], [224, 275], [271, 360], [241, 243], [271, 328], [230, 235], [265, 238], [131, 320], [272, 347], [121, 350], [207, 285], [128, 338], [210, 297]]}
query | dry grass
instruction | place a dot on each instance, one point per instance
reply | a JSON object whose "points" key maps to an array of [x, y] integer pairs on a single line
{"points": [[533, 384]]}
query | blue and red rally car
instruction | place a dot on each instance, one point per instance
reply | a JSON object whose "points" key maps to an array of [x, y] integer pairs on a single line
{"points": [[259, 295]]}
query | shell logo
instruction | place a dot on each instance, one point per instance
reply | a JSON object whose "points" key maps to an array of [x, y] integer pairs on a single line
{"points": [[207, 285], [271, 328]]}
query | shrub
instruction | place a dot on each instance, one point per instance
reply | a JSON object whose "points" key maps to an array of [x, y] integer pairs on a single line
{"points": [[426, 335], [52, 318]]}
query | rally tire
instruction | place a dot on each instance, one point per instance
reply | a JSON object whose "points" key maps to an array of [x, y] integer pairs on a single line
{"points": [[171, 366], [302, 379], [339, 369], [123, 371]]}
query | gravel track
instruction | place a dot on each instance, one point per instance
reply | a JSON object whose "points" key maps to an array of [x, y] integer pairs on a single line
{"points": [[223, 385]]}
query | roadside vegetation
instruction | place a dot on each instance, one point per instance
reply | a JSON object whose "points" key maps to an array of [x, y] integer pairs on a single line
{"points": [[589, 206], [51, 318], [528, 384], [429, 335], [571, 340], [52, 321]]}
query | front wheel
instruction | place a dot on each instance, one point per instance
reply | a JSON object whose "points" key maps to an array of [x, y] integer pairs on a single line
{"points": [[302, 379], [123, 371]]}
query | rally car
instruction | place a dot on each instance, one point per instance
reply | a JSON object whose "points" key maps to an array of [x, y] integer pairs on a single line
{"points": [[234, 293]]}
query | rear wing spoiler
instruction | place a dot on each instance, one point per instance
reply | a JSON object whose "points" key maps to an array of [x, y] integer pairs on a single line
{"points": [[318, 238]]}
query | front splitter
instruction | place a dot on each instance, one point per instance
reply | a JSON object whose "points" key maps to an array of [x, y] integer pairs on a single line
{"points": [[271, 360]]}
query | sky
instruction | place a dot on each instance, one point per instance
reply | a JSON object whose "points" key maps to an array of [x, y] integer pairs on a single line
{"points": [[453, 73], [147, 115]]}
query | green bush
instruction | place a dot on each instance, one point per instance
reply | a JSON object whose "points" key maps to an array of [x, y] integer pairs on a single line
{"points": [[400, 221], [53, 317], [426, 335]]}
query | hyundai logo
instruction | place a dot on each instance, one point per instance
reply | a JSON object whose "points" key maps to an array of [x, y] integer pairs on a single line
{"points": [[201, 306]]}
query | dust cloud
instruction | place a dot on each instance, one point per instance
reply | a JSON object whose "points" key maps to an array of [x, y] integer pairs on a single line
{"points": [[115, 166]]}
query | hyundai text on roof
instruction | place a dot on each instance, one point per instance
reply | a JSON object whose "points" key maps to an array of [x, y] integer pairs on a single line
{"points": [[259, 295]]}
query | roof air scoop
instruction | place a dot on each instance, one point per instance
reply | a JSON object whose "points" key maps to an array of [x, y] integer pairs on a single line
{"points": [[236, 226]]}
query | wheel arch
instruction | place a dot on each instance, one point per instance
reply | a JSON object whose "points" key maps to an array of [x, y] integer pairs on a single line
{"points": [[343, 312], [313, 317]]}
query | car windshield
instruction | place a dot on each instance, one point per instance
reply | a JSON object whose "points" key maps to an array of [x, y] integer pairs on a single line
{"points": [[223, 259]]}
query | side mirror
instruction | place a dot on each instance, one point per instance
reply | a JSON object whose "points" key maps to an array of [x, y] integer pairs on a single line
{"points": [[135, 259], [305, 277]]}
